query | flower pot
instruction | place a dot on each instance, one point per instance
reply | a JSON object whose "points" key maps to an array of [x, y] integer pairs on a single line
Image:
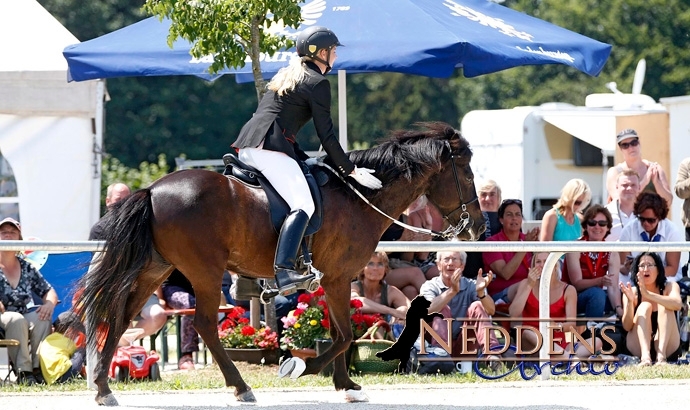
{"points": [[303, 353], [254, 356]]}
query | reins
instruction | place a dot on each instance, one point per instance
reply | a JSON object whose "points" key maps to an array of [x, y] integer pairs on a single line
{"points": [[449, 233]]}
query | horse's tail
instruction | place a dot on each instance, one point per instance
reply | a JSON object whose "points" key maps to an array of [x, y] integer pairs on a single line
{"points": [[104, 289]]}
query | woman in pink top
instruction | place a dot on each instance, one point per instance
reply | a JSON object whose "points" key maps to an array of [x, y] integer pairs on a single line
{"points": [[509, 267]]}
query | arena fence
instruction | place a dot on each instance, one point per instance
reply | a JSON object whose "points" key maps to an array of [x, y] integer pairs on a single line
{"points": [[557, 249]]}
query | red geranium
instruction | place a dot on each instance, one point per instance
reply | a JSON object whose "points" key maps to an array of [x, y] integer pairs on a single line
{"points": [[235, 332]]}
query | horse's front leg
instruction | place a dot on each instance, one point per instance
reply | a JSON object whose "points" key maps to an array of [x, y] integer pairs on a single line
{"points": [[341, 332], [205, 321]]}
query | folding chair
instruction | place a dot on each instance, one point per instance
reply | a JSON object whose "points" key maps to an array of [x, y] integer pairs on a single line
{"points": [[4, 344]]}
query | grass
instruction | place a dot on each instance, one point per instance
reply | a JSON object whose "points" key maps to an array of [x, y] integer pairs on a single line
{"points": [[266, 377]]}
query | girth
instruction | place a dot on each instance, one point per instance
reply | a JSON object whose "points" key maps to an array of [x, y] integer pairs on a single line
{"points": [[279, 209]]}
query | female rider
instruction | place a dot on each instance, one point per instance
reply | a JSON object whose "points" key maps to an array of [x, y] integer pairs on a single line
{"points": [[267, 142]]}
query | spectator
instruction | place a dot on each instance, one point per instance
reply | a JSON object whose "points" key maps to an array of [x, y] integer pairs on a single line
{"points": [[649, 312], [405, 274], [63, 352], [622, 208], [376, 295], [563, 299], [489, 200], [152, 316], [652, 226], [179, 294], [682, 189], [455, 296], [21, 319], [595, 274], [652, 176], [509, 267], [561, 223]]}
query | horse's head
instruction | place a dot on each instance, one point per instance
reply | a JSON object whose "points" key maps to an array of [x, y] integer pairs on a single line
{"points": [[452, 190]]}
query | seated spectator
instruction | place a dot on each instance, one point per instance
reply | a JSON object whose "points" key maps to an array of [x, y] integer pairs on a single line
{"points": [[404, 272], [562, 223], [651, 225], [21, 319], [509, 267], [152, 316], [376, 295], [622, 209], [63, 352], [649, 312], [595, 274], [489, 199], [179, 294], [455, 296], [563, 299], [652, 176]]}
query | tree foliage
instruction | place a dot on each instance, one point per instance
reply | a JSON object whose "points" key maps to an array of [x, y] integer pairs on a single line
{"points": [[229, 30]]}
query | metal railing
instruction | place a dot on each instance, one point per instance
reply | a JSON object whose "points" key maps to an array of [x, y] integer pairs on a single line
{"points": [[557, 249]]}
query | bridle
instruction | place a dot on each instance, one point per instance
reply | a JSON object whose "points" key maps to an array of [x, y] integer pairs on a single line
{"points": [[464, 221]]}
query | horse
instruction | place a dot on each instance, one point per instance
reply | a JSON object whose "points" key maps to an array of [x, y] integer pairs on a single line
{"points": [[203, 223]]}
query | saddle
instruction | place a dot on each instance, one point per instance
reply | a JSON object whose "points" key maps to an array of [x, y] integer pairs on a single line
{"points": [[278, 208]]}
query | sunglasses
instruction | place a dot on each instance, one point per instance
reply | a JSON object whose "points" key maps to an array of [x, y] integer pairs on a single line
{"points": [[650, 221], [626, 145], [511, 202], [592, 222]]}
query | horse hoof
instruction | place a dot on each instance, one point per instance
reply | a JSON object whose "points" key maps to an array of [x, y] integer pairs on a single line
{"points": [[246, 397], [293, 366], [355, 396], [107, 400]]}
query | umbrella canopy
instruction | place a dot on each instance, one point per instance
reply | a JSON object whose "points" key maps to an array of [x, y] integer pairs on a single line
{"points": [[424, 37]]}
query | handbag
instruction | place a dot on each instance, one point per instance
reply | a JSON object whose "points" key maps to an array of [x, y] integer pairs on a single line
{"points": [[364, 358]]}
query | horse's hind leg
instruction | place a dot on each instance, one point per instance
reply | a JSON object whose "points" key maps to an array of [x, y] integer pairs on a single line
{"points": [[147, 282], [206, 323]]}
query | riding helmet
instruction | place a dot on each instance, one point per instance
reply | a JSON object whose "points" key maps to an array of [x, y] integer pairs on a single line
{"points": [[313, 39]]}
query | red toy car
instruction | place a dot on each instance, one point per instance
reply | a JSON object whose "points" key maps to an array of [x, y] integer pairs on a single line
{"points": [[133, 362]]}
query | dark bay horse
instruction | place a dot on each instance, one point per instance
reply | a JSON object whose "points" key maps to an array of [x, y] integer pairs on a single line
{"points": [[203, 223]]}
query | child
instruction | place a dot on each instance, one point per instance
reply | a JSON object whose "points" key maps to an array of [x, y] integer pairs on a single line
{"points": [[62, 353]]}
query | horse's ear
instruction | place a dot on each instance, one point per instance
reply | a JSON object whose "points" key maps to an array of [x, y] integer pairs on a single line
{"points": [[450, 132]]}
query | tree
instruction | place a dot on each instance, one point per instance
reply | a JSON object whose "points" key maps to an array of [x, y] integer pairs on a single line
{"points": [[229, 30]]}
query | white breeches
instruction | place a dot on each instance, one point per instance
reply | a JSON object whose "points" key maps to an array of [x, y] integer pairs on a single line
{"points": [[284, 173]]}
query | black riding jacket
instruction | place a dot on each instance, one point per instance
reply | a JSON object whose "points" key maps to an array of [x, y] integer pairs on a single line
{"points": [[278, 119]]}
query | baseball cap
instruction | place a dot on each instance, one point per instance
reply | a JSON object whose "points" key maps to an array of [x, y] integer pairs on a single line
{"points": [[13, 222], [625, 134]]}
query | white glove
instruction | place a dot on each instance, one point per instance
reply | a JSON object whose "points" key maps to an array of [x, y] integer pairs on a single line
{"points": [[311, 161], [363, 177]]}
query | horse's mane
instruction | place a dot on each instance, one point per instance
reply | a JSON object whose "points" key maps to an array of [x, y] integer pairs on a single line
{"points": [[411, 153]]}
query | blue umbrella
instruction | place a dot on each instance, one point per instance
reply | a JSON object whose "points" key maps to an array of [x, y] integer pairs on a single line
{"points": [[424, 37]]}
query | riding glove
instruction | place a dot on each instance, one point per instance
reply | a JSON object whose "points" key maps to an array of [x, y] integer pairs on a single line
{"points": [[363, 177]]}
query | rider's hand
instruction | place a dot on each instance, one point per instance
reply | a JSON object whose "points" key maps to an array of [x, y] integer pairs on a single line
{"points": [[365, 178], [311, 161]]}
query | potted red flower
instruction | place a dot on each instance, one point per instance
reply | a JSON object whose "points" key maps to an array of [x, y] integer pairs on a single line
{"points": [[243, 342]]}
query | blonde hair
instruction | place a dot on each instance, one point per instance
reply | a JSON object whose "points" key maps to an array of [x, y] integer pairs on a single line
{"points": [[572, 190], [287, 78]]}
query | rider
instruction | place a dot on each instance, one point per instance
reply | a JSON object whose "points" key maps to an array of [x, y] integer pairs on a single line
{"points": [[296, 94]]}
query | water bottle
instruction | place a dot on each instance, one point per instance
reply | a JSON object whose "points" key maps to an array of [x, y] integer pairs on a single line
{"points": [[626, 360]]}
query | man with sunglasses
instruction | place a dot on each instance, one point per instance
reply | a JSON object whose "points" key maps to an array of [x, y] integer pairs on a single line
{"points": [[651, 225], [652, 176]]}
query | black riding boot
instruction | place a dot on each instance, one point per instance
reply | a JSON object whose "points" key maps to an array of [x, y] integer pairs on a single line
{"points": [[289, 240]]}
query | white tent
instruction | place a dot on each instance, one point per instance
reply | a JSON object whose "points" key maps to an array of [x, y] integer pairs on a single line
{"points": [[50, 130]]}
